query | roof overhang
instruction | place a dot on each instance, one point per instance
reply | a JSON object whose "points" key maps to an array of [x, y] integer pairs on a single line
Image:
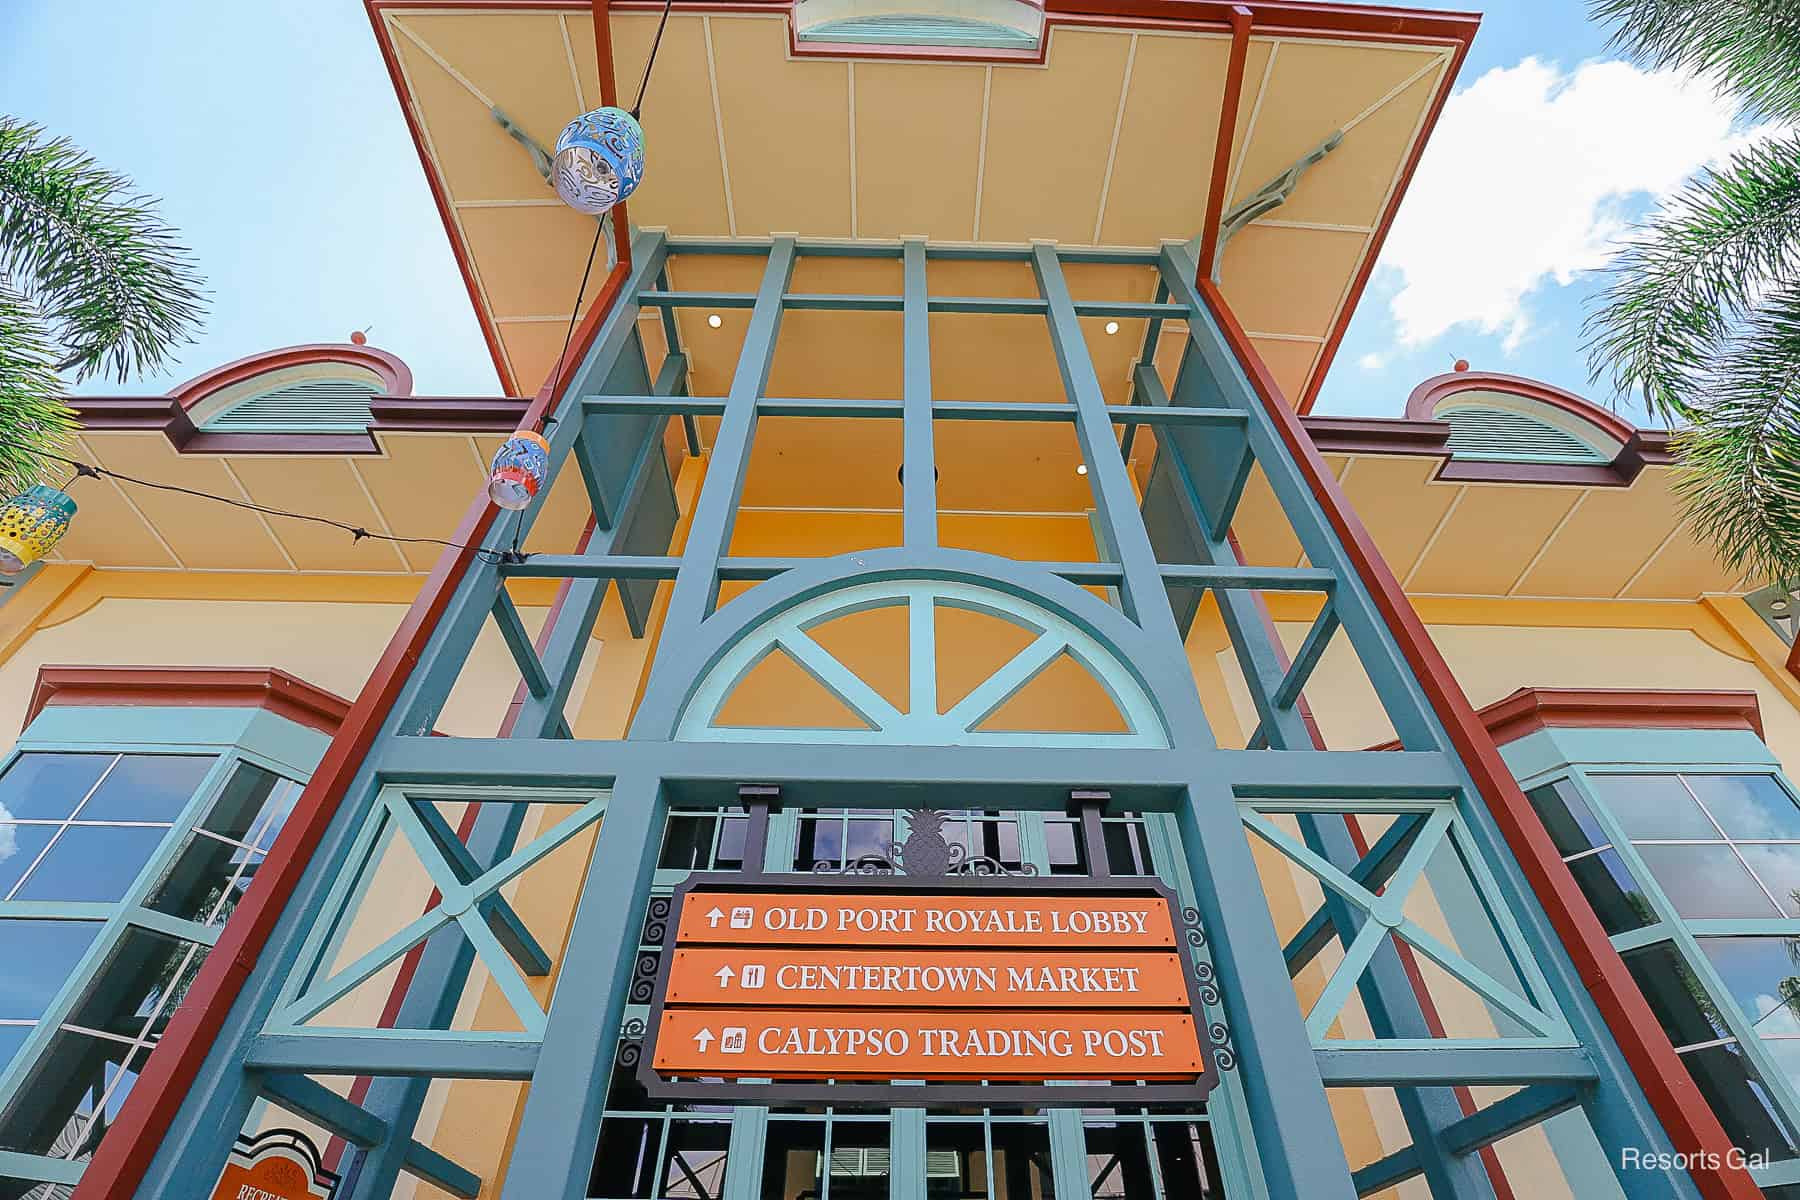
{"points": [[1131, 123]]}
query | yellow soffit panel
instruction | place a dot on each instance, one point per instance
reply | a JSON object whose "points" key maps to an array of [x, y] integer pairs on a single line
{"points": [[1110, 140]]}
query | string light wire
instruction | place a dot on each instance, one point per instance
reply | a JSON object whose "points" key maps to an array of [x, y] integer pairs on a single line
{"points": [[84, 470]]}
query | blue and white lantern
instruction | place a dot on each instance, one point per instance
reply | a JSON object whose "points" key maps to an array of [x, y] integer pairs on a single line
{"points": [[599, 160]]}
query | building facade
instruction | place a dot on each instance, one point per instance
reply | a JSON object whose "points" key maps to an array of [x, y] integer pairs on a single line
{"points": [[935, 511]]}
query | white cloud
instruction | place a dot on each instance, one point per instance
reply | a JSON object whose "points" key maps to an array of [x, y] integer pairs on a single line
{"points": [[1526, 179], [1372, 361]]}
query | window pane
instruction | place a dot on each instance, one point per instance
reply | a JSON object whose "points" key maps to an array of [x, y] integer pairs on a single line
{"points": [[1566, 815], [730, 854], [1127, 848], [1786, 1053], [791, 1160], [1753, 807], [39, 957], [198, 884], [1685, 1010], [694, 1164], [625, 1164], [1652, 807], [145, 976], [1763, 976], [1608, 886], [1119, 1162], [147, 787], [77, 1077], [1021, 1162], [859, 1160], [49, 786], [238, 811], [687, 843], [11, 1038], [955, 1162], [1184, 1153], [1707, 882], [868, 838], [1740, 1100], [19, 847], [1779, 869], [91, 863], [1068, 854]]}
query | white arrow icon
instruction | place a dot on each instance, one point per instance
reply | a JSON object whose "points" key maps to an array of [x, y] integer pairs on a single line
{"points": [[724, 975], [714, 917], [705, 1038]]}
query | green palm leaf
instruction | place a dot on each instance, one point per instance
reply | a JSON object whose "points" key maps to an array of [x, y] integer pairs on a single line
{"points": [[91, 281], [1753, 46]]}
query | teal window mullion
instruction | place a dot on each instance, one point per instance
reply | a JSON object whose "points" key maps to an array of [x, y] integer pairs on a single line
{"points": [[1680, 932]]}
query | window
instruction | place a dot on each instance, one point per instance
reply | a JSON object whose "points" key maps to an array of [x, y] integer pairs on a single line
{"points": [[704, 839], [1132, 1155], [833, 838], [80, 830], [1720, 846], [1696, 876]]}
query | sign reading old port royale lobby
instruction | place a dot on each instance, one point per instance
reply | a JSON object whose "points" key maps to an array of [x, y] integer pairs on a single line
{"points": [[780, 983]]}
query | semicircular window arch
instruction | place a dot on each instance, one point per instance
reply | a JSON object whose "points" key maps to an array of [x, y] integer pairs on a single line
{"points": [[315, 405], [924, 662], [1503, 432]]}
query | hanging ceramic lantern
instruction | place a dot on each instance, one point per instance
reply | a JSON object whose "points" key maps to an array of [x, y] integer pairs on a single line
{"points": [[599, 160], [30, 526], [519, 469]]}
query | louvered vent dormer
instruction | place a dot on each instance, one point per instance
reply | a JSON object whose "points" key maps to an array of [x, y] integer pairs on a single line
{"points": [[304, 406], [1480, 431]]}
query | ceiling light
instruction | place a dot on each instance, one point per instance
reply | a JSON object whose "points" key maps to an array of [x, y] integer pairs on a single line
{"points": [[715, 320], [1112, 327], [1081, 468]]}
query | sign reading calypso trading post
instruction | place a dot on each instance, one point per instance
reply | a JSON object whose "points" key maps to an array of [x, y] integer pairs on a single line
{"points": [[1037, 982]]}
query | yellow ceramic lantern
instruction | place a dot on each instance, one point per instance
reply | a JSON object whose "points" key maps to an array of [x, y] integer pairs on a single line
{"points": [[30, 526]]}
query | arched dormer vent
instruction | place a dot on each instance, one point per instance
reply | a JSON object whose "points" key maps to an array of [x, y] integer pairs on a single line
{"points": [[1495, 434], [300, 406], [906, 29]]}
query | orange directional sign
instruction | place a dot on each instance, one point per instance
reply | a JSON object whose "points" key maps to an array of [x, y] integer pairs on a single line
{"points": [[934, 978], [760, 1043], [810, 919], [1033, 982]]}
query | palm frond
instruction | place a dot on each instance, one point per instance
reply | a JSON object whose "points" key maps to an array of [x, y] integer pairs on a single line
{"points": [[116, 287], [31, 414], [1695, 268], [1752, 47], [1739, 463]]}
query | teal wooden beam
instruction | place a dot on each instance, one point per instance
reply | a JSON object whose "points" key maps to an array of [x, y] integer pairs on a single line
{"points": [[1374, 869], [692, 406], [1451, 1066], [1130, 309], [1509, 1115], [518, 641], [14, 1165], [339, 1117], [1387, 1172], [1207, 417], [1147, 395], [1258, 579], [709, 532], [653, 298], [559, 1128], [509, 929], [918, 503], [439, 1171], [1312, 649], [395, 1052]]}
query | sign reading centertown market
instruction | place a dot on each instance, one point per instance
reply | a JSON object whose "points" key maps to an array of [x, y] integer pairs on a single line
{"points": [[1020, 981]]}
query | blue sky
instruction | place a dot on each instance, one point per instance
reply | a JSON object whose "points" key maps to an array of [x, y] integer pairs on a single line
{"points": [[270, 132]]}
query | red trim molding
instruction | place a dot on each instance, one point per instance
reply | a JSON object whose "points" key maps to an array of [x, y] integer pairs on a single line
{"points": [[1529, 710], [1232, 97], [396, 378], [190, 687], [1683, 1111], [1422, 404], [1414, 435]]}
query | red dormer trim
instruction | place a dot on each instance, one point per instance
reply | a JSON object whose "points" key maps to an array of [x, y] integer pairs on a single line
{"points": [[1422, 404], [190, 687], [396, 378], [1529, 710]]}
